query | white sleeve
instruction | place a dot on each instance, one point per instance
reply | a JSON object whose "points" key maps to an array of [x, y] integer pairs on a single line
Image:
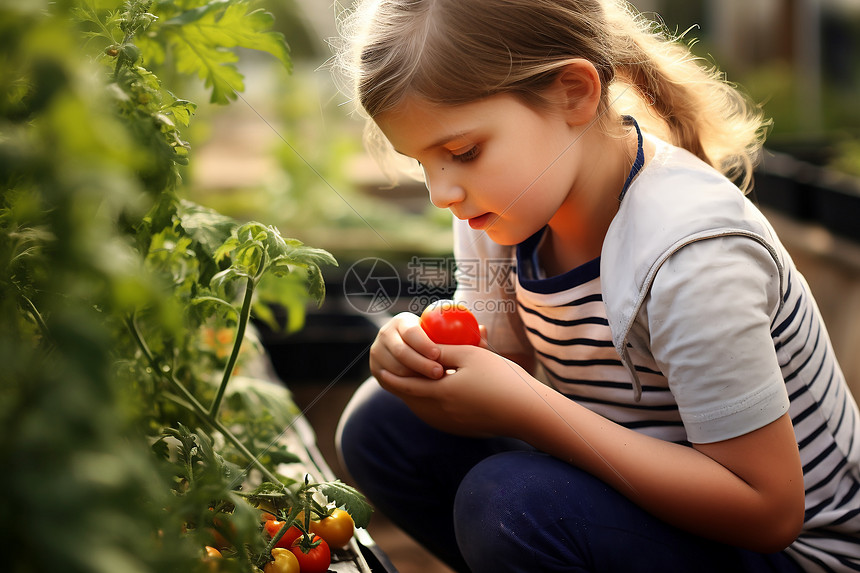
{"points": [[709, 315], [485, 282]]}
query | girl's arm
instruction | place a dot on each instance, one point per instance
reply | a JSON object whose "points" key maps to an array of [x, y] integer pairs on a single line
{"points": [[747, 491]]}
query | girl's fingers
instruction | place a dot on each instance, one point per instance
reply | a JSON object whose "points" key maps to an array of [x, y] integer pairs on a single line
{"points": [[401, 360], [456, 355], [415, 387], [403, 348]]}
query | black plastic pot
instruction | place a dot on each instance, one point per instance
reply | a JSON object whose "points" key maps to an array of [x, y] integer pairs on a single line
{"points": [[809, 193]]}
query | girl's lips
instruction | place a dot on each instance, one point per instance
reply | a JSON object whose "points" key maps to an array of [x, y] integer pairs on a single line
{"points": [[480, 221]]}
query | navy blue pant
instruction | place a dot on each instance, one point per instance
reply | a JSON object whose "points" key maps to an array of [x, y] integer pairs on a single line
{"points": [[497, 505]]}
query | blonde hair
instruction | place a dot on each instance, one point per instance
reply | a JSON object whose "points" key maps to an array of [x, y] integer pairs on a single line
{"points": [[453, 52]]}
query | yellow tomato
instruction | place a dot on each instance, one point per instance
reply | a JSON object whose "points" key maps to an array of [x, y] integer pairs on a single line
{"points": [[284, 562]]}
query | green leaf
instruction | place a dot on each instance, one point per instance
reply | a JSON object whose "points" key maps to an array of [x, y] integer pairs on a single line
{"points": [[227, 275], [350, 499], [161, 449], [181, 110], [281, 455], [213, 306], [204, 36], [206, 226], [271, 496], [226, 248]]}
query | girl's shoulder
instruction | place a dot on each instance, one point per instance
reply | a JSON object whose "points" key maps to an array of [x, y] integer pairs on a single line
{"points": [[667, 160], [683, 193], [676, 200]]}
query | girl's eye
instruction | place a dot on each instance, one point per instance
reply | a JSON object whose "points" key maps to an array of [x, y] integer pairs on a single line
{"points": [[467, 155]]}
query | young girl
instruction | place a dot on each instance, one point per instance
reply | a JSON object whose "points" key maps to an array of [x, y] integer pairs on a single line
{"points": [[664, 396]]}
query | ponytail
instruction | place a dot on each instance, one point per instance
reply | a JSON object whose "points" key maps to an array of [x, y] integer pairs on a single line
{"points": [[692, 105]]}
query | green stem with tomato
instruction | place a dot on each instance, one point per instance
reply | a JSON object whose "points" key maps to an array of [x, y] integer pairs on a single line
{"points": [[291, 518]]}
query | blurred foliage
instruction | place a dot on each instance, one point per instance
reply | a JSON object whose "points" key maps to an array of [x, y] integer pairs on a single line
{"points": [[775, 82], [290, 21], [121, 304], [314, 189]]}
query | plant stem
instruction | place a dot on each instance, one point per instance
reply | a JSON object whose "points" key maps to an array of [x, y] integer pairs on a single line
{"points": [[196, 406], [294, 512], [244, 316], [37, 318]]}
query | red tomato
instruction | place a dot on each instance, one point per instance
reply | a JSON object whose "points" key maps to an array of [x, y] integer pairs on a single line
{"points": [[222, 533], [316, 560], [336, 529], [448, 322], [217, 539], [293, 533]]}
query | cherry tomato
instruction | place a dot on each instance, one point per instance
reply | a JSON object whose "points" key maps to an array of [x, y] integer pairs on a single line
{"points": [[221, 533], [285, 562], [316, 560], [448, 322], [336, 529], [266, 516], [293, 533], [211, 558], [217, 539]]}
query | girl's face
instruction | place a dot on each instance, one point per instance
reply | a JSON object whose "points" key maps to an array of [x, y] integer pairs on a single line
{"points": [[505, 167]]}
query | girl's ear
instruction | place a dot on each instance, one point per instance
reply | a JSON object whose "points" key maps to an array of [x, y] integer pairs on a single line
{"points": [[577, 88]]}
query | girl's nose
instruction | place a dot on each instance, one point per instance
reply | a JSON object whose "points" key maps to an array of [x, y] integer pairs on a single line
{"points": [[444, 191]]}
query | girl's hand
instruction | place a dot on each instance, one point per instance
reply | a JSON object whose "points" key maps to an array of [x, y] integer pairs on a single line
{"points": [[404, 349], [482, 393]]}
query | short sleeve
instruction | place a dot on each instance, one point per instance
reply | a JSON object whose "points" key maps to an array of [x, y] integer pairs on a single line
{"points": [[485, 274], [709, 315]]}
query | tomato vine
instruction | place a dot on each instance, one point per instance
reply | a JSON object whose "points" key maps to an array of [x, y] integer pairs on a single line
{"points": [[114, 408]]}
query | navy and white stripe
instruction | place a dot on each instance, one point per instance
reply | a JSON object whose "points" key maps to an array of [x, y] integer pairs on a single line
{"points": [[827, 427], [566, 324]]}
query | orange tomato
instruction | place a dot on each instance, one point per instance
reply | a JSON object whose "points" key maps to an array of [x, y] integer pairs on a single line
{"points": [[336, 529]]}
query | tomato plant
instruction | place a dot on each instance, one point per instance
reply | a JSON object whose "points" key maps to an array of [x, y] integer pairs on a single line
{"points": [[110, 281], [283, 561], [448, 322], [336, 529], [313, 556]]}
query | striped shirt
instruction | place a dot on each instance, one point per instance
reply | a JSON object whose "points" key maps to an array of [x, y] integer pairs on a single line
{"points": [[565, 321]]}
